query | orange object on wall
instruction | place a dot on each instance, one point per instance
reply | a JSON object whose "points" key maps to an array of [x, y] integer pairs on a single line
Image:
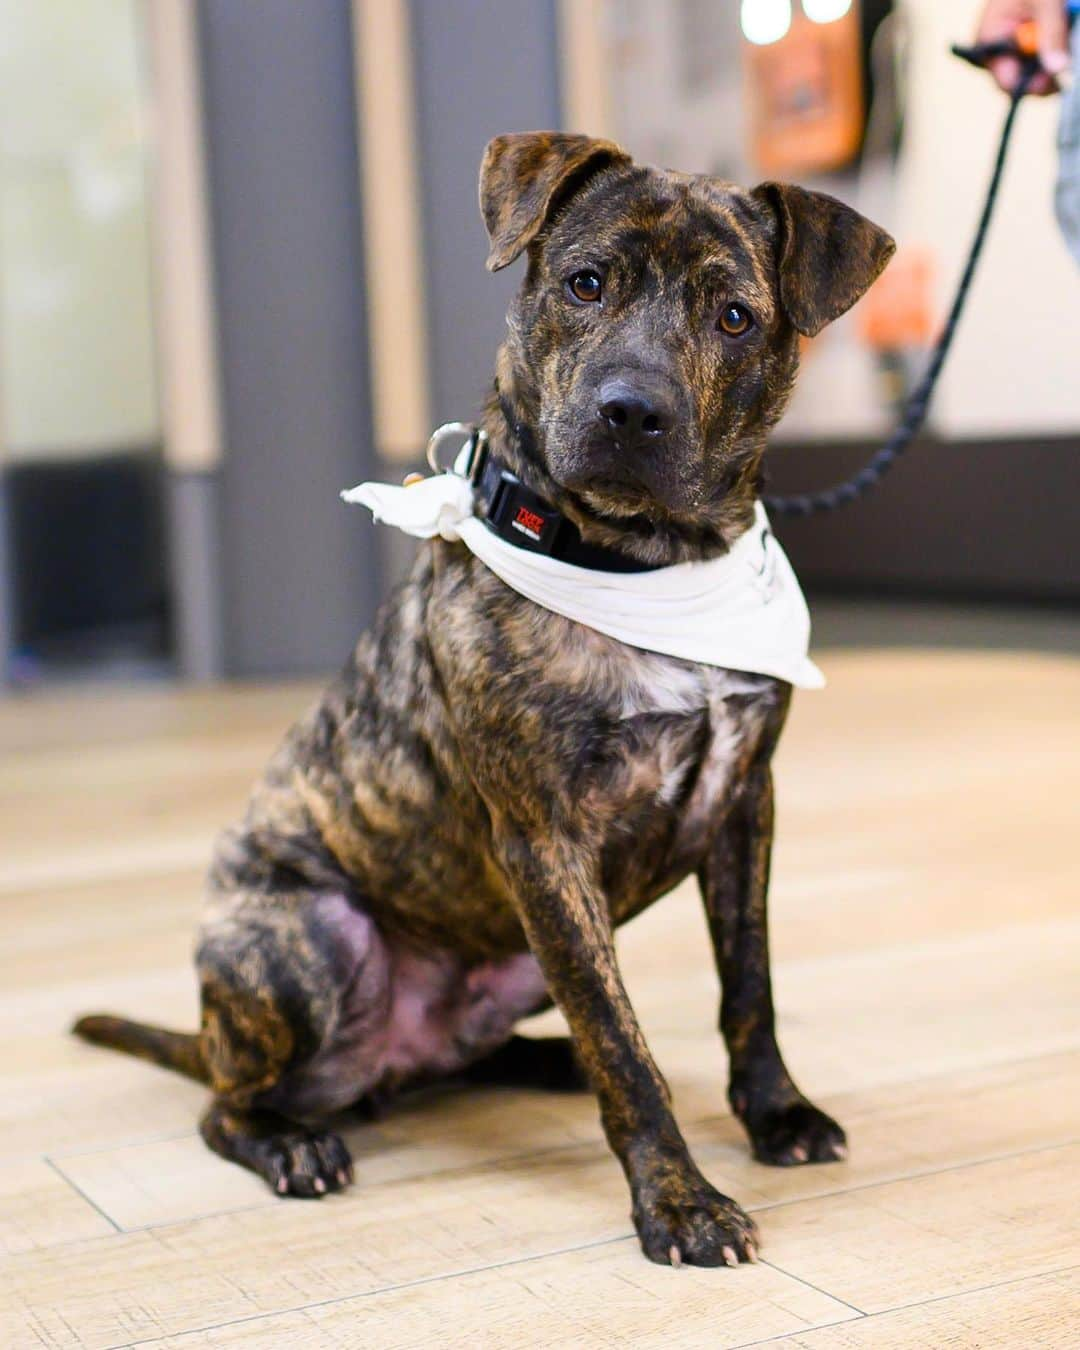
{"points": [[807, 102], [898, 310]]}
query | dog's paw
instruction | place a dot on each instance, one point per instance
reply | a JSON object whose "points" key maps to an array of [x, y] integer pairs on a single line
{"points": [[789, 1136], [304, 1163], [695, 1226]]}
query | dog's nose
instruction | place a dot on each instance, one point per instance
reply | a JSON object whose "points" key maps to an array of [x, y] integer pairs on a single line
{"points": [[635, 416]]}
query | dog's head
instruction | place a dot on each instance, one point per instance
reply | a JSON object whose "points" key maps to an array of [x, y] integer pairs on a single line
{"points": [[654, 340]]}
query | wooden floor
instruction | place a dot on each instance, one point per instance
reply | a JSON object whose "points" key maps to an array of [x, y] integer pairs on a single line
{"points": [[927, 945]]}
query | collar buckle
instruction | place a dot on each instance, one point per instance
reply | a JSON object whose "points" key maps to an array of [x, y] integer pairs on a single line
{"points": [[471, 455]]}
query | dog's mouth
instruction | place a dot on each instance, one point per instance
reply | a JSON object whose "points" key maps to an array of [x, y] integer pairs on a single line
{"points": [[635, 488], [620, 510], [611, 495]]}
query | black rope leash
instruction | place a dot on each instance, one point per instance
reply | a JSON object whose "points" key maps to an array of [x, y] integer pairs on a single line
{"points": [[831, 498]]}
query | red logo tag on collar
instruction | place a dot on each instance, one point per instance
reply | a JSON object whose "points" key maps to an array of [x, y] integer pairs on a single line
{"points": [[529, 523]]}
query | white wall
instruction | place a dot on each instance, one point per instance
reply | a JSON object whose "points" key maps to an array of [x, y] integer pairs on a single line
{"points": [[1015, 369]]}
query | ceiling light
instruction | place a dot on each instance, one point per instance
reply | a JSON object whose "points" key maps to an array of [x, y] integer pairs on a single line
{"points": [[825, 11], [766, 21]]}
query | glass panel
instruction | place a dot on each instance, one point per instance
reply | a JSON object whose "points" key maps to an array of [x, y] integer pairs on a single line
{"points": [[76, 351]]}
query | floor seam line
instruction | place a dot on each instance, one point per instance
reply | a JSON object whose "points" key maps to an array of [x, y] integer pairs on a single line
{"points": [[902, 1307], [61, 1153], [49, 1162], [810, 1285], [977, 1289], [766, 1340], [384, 1289], [770, 1205]]}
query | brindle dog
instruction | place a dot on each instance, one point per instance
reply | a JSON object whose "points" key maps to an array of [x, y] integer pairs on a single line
{"points": [[445, 843]]}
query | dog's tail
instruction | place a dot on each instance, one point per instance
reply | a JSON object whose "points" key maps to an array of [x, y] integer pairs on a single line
{"points": [[179, 1050]]}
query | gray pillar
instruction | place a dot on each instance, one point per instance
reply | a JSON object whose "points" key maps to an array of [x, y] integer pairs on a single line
{"points": [[298, 566], [193, 505]]}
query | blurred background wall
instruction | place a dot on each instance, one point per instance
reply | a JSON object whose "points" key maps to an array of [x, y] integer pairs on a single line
{"points": [[241, 266], [77, 378]]}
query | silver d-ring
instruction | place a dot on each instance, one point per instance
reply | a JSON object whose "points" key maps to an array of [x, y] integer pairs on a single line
{"points": [[444, 433]]}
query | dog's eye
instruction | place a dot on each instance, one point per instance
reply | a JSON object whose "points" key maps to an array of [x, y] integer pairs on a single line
{"points": [[735, 320], [585, 287]]}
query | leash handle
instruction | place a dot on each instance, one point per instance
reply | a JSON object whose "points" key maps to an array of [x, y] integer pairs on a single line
{"points": [[915, 410], [1024, 43]]}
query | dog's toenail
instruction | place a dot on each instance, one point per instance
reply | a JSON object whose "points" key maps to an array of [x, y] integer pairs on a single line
{"points": [[799, 1153], [675, 1256], [282, 1185], [751, 1252], [840, 1152], [343, 1180], [729, 1256], [320, 1185]]}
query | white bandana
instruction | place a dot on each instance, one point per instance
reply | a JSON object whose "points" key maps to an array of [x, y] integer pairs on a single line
{"points": [[743, 611]]}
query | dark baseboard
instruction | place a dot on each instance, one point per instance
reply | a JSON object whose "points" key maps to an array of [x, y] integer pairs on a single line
{"points": [[988, 519], [86, 553]]}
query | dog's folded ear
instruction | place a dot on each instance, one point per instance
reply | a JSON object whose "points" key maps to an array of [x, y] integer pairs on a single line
{"points": [[827, 254], [525, 177]]}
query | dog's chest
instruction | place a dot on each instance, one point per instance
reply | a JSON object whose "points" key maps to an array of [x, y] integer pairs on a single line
{"points": [[675, 738]]}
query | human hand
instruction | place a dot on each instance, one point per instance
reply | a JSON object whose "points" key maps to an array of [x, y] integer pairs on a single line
{"points": [[1000, 21]]}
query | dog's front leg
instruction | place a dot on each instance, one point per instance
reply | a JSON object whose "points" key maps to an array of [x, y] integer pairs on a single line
{"points": [[784, 1127], [678, 1215]]}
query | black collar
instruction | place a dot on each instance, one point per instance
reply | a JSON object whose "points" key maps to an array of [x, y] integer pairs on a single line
{"points": [[523, 518]]}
